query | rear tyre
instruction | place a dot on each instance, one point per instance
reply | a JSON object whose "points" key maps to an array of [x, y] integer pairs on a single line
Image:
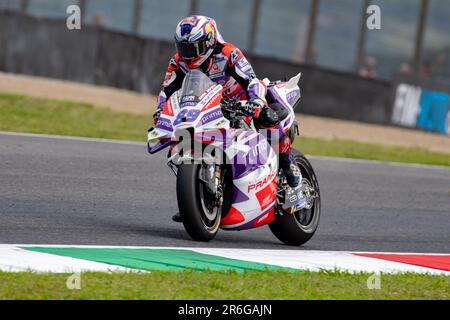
{"points": [[200, 224], [297, 228]]}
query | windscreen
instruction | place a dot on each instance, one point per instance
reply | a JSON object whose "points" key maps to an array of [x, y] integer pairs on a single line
{"points": [[195, 83]]}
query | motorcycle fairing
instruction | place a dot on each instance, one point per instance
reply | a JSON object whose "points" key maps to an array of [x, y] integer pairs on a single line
{"points": [[204, 115], [287, 94], [252, 208], [254, 166], [160, 136]]}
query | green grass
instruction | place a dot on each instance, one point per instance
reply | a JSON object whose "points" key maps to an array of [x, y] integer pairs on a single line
{"points": [[37, 115], [223, 285], [358, 150]]}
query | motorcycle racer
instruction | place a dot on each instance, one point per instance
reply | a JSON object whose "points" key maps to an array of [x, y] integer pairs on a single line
{"points": [[200, 46]]}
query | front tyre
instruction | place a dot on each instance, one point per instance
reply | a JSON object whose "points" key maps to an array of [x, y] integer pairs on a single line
{"points": [[200, 219], [297, 228]]}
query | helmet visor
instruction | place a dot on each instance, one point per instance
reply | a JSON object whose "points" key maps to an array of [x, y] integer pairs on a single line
{"points": [[188, 50]]}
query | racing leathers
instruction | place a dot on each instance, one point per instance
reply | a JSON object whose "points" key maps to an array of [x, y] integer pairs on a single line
{"points": [[226, 66], [229, 67]]}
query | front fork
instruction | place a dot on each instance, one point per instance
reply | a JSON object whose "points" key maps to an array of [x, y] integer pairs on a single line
{"points": [[211, 174]]}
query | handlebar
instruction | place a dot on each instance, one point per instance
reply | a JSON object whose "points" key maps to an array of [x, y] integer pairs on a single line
{"points": [[237, 108]]}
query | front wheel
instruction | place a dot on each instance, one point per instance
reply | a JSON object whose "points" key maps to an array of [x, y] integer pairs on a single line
{"points": [[200, 215], [297, 228]]}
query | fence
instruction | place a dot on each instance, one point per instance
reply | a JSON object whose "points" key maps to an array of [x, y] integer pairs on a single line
{"points": [[327, 33], [96, 55]]}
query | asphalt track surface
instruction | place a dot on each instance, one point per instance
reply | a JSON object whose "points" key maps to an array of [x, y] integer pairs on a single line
{"points": [[63, 191]]}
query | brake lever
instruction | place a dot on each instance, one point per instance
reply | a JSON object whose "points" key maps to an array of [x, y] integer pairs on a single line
{"points": [[237, 109], [247, 110]]}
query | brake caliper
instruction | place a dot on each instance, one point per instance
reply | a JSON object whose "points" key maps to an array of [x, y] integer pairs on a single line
{"points": [[298, 198]]}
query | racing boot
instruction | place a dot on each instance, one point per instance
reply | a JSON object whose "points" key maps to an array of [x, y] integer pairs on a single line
{"points": [[177, 217], [287, 164]]}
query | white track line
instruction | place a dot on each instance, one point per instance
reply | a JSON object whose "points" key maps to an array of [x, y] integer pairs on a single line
{"points": [[73, 138], [134, 143], [14, 259]]}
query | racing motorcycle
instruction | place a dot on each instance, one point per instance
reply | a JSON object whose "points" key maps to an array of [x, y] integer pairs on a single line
{"points": [[227, 171]]}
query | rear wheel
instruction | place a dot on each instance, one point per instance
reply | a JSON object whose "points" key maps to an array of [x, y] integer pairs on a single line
{"points": [[297, 228], [198, 210]]}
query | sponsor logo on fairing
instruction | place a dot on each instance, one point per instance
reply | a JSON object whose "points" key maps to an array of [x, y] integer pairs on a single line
{"points": [[211, 116], [187, 98], [267, 200], [259, 184], [259, 148], [164, 124], [213, 102], [293, 96], [188, 104], [188, 101], [262, 218], [207, 94]]}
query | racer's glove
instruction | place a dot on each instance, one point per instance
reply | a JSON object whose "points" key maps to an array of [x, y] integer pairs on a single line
{"points": [[156, 116], [254, 108], [264, 115]]}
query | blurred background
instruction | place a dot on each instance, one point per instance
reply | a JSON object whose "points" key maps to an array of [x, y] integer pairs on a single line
{"points": [[398, 75]]}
